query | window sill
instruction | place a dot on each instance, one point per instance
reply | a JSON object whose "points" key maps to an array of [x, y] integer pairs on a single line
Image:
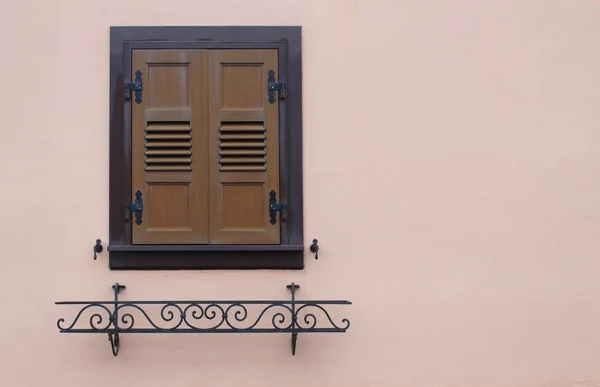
{"points": [[206, 257]]}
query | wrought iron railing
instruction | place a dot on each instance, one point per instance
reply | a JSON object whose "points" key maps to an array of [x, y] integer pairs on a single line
{"points": [[283, 316]]}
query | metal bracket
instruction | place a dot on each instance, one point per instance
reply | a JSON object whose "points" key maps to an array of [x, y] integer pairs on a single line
{"points": [[137, 207], [215, 316], [136, 86], [293, 288], [273, 86], [113, 337]]}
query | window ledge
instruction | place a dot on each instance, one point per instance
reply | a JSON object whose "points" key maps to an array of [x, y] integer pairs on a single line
{"points": [[172, 248], [206, 257]]}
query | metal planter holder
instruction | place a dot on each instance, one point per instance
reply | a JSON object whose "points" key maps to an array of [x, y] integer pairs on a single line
{"points": [[288, 316]]}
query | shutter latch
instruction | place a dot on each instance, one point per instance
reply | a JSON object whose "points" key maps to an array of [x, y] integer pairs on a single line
{"points": [[275, 207], [137, 207], [135, 86], [275, 86]]}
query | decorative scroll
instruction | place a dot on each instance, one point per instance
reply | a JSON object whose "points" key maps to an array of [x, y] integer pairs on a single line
{"points": [[286, 316]]}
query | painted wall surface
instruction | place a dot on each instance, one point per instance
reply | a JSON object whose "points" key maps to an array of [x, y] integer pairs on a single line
{"points": [[452, 177]]}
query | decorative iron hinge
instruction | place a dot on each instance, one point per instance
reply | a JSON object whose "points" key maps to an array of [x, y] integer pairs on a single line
{"points": [[275, 86], [137, 207], [135, 86], [275, 207]]}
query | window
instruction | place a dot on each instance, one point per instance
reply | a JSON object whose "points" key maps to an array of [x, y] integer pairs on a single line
{"points": [[205, 148]]}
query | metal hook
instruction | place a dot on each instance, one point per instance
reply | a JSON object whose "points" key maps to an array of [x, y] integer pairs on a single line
{"points": [[314, 248], [97, 248]]}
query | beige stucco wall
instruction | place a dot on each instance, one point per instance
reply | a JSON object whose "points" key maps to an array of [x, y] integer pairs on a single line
{"points": [[451, 175]]}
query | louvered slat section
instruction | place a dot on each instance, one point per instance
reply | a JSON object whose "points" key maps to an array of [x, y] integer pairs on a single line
{"points": [[242, 147], [168, 146]]}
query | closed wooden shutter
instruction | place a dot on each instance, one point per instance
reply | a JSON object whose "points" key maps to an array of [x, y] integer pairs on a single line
{"points": [[169, 148], [244, 147]]}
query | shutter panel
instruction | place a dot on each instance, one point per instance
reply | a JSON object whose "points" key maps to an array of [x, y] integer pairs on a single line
{"points": [[244, 147], [169, 153]]}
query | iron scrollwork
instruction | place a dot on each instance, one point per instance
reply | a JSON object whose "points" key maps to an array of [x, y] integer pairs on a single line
{"points": [[283, 316]]}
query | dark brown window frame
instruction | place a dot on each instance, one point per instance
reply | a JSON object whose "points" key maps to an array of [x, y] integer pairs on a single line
{"points": [[123, 255]]}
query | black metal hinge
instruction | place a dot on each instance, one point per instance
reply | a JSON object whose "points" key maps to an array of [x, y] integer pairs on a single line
{"points": [[275, 86], [275, 207], [136, 86], [137, 207]]}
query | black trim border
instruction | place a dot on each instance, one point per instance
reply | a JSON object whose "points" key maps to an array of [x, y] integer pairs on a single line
{"points": [[290, 253]]}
